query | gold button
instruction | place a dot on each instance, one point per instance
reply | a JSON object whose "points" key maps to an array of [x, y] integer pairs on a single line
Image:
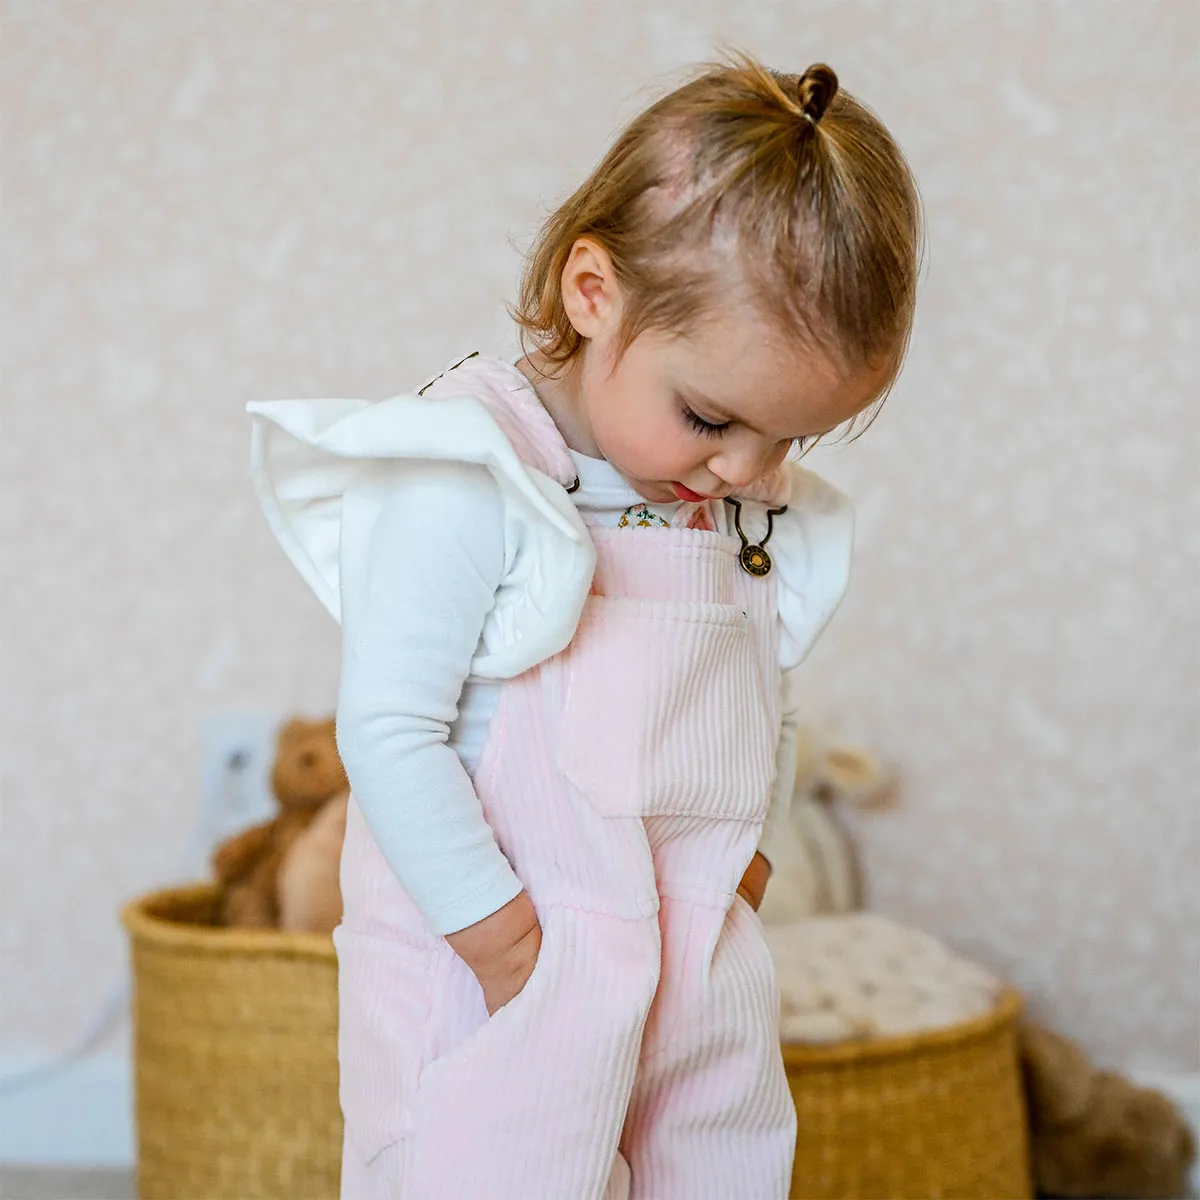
{"points": [[755, 561]]}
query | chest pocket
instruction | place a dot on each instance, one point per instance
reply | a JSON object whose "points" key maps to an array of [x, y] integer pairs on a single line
{"points": [[666, 710]]}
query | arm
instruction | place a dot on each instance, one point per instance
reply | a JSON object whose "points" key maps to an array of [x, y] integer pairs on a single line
{"points": [[422, 553], [777, 826]]}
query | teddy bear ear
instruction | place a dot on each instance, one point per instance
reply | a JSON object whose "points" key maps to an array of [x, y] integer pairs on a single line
{"points": [[307, 768], [856, 775], [290, 730]]}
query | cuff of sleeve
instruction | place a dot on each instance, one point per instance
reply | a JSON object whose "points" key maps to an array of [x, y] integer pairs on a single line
{"points": [[493, 893]]}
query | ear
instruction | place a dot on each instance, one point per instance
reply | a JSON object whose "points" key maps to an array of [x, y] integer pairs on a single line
{"points": [[591, 295]]}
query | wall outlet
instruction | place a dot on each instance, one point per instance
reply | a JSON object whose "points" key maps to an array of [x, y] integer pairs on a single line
{"points": [[237, 752]]}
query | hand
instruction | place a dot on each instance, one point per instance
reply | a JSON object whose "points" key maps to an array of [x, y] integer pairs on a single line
{"points": [[754, 882], [501, 950]]}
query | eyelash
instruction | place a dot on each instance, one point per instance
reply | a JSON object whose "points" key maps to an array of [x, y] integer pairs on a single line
{"points": [[711, 430], [703, 426]]}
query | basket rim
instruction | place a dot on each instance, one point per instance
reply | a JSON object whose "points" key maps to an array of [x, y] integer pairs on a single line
{"points": [[147, 928], [1003, 1013]]}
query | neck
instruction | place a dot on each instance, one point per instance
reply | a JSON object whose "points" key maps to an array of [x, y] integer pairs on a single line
{"points": [[559, 389]]}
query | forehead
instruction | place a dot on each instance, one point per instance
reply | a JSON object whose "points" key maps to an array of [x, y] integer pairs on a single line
{"points": [[748, 371]]}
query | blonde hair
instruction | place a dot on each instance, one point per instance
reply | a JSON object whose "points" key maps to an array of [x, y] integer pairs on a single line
{"points": [[795, 181]]}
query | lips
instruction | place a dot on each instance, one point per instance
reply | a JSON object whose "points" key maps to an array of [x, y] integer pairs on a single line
{"points": [[687, 494]]}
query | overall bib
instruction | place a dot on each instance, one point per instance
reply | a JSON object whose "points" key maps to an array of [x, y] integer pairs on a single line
{"points": [[626, 779]]}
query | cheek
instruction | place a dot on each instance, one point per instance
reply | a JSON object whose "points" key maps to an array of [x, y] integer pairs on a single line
{"points": [[649, 436], [637, 425]]}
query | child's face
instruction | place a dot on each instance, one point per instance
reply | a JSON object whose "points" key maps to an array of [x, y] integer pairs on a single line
{"points": [[735, 372]]}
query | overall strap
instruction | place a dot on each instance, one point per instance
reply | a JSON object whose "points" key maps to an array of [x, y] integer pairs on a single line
{"points": [[513, 404]]}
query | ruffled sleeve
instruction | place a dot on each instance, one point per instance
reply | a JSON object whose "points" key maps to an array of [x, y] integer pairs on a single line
{"points": [[305, 454], [811, 547]]}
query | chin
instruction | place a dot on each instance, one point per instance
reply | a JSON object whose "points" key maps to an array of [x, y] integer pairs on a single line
{"points": [[658, 493]]}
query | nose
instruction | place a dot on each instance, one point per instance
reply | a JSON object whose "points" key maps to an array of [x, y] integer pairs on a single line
{"points": [[739, 466]]}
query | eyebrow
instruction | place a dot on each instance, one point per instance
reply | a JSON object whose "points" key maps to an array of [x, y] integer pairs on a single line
{"points": [[721, 414]]}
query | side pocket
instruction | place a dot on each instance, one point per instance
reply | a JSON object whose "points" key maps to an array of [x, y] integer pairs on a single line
{"points": [[385, 991], [458, 995], [760, 961], [751, 915], [532, 1101]]}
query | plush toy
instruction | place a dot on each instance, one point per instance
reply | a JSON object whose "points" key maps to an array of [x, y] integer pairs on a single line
{"points": [[307, 775], [818, 871], [308, 886], [1096, 1133]]}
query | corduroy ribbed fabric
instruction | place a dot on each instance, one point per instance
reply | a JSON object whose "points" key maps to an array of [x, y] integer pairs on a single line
{"points": [[626, 780]]}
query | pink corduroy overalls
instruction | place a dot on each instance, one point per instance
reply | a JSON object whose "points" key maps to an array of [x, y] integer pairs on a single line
{"points": [[626, 779]]}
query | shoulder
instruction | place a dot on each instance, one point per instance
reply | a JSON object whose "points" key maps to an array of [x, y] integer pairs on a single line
{"points": [[317, 467], [480, 410], [460, 414], [813, 548], [442, 494], [811, 492], [513, 404]]}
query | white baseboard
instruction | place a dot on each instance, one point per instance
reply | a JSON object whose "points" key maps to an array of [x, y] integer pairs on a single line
{"points": [[83, 1115]]}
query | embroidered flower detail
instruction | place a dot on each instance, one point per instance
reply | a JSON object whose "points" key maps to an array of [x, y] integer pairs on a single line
{"points": [[639, 515], [700, 518]]}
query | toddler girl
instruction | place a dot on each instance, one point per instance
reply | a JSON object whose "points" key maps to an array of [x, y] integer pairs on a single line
{"points": [[573, 591]]}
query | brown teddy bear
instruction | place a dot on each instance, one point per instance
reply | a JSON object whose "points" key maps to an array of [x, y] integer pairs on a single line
{"points": [[1096, 1133], [307, 776]]}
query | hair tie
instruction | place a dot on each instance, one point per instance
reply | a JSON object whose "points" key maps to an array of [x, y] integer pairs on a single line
{"points": [[814, 91]]}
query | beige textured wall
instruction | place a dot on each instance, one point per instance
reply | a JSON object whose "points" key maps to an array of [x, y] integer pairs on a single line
{"points": [[208, 202]]}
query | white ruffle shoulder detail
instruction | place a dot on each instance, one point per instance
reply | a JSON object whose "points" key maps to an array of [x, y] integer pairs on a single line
{"points": [[306, 454], [811, 547]]}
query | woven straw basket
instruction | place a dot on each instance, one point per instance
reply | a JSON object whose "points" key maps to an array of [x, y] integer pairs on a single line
{"points": [[235, 1042], [936, 1114], [235, 1036]]}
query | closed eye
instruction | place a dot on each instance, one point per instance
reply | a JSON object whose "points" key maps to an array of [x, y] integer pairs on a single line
{"points": [[798, 445], [703, 426]]}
